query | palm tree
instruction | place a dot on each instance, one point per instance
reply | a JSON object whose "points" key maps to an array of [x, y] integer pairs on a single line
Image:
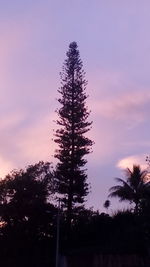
{"points": [[135, 189]]}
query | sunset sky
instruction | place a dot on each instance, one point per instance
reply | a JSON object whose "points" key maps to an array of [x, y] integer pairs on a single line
{"points": [[114, 42]]}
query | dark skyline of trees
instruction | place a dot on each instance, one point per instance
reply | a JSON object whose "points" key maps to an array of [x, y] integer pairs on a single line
{"points": [[28, 216]]}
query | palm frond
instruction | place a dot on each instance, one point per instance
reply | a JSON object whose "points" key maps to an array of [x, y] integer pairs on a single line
{"points": [[120, 180], [134, 189]]}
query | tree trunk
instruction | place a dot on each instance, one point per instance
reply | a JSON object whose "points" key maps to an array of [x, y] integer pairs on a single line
{"points": [[70, 195]]}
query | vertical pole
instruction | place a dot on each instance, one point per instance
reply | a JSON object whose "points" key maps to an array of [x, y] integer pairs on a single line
{"points": [[57, 235]]}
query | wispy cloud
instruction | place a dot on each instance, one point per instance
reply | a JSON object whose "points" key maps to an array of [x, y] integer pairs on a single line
{"points": [[131, 107], [22, 144], [35, 142], [5, 166]]}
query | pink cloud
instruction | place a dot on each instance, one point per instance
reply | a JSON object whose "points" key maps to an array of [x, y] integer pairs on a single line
{"points": [[129, 107], [35, 142], [11, 120], [5, 166], [129, 161]]}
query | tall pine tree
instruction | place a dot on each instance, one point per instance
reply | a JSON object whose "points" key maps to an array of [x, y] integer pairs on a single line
{"points": [[73, 145]]}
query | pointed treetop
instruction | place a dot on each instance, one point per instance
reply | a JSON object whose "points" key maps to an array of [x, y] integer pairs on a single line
{"points": [[73, 45]]}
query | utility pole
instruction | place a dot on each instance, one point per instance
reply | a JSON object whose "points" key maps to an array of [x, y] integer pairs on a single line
{"points": [[57, 235]]}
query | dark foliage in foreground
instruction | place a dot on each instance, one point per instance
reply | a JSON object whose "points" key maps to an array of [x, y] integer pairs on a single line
{"points": [[28, 223], [27, 217], [136, 188]]}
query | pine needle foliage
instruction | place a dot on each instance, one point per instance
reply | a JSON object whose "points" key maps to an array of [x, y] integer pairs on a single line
{"points": [[70, 136]]}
